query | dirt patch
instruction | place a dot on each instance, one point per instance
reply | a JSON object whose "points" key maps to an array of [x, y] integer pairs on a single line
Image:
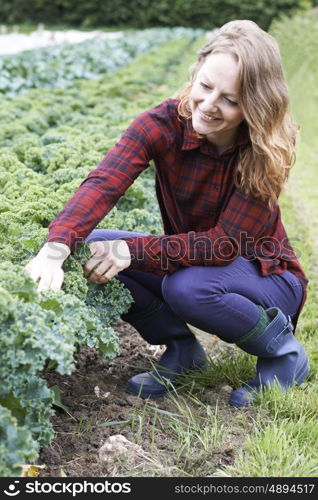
{"points": [[95, 396]]}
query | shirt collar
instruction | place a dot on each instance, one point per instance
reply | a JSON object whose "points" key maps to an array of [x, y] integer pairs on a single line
{"points": [[192, 141]]}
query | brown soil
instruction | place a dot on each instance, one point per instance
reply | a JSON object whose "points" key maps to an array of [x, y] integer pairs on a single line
{"points": [[95, 394]]}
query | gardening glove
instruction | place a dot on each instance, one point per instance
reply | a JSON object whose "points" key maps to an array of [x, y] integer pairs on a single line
{"points": [[46, 267], [107, 259]]}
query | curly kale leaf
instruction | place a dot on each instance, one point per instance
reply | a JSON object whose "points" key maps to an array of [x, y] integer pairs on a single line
{"points": [[40, 212], [14, 279], [19, 242], [64, 176], [138, 219], [7, 305], [110, 300], [23, 142], [83, 321], [30, 337], [135, 197], [108, 345], [16, 445], [49, 158], [31, 405], [74, 281]]}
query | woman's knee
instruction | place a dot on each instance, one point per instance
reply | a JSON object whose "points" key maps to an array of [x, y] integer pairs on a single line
{"points": [[184, 289]]}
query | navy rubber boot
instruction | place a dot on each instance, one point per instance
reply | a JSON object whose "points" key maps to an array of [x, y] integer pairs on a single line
{"points": [[160, 325], [281, 359]]}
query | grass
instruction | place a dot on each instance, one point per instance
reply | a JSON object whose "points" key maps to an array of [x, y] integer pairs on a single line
{"points": [[281, 449], [192, 427]]}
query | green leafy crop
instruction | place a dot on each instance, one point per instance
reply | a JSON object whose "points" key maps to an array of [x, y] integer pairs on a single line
{"points": [[60, 65], [49, 141]]}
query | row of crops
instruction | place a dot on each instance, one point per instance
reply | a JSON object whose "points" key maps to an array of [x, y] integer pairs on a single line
{"points": [[49, 141], [58, 66]]}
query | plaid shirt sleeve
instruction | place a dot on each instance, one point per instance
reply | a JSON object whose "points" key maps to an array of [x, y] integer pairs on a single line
{"points": [[243, 222], [102, 188]]}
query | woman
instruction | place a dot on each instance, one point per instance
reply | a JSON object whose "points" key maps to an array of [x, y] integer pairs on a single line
{"points": [[222, 154]]}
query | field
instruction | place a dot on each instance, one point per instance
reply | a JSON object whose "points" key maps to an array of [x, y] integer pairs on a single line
{"points": [[49, 140]]}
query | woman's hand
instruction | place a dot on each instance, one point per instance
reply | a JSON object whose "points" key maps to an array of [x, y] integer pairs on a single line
{"points": [[46, 267], [108, 259]]}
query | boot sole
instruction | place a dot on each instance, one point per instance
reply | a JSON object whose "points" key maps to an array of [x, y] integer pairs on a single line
{"points": [[144, 392], [137, 390]]}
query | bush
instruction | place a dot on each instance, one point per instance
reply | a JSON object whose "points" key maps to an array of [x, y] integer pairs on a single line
{"points": [[206, 14]]}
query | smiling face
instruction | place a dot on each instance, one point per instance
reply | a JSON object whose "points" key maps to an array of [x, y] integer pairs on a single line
{"points": [[214, 100]]}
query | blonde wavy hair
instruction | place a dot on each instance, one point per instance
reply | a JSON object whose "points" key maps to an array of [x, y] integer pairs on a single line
{"points": [[263, 166]]}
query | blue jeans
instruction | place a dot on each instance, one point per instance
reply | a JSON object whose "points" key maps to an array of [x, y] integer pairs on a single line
{"points": [[221, 300]]}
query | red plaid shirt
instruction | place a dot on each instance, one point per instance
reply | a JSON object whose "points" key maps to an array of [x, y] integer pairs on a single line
{"points": [[207, 220]]}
